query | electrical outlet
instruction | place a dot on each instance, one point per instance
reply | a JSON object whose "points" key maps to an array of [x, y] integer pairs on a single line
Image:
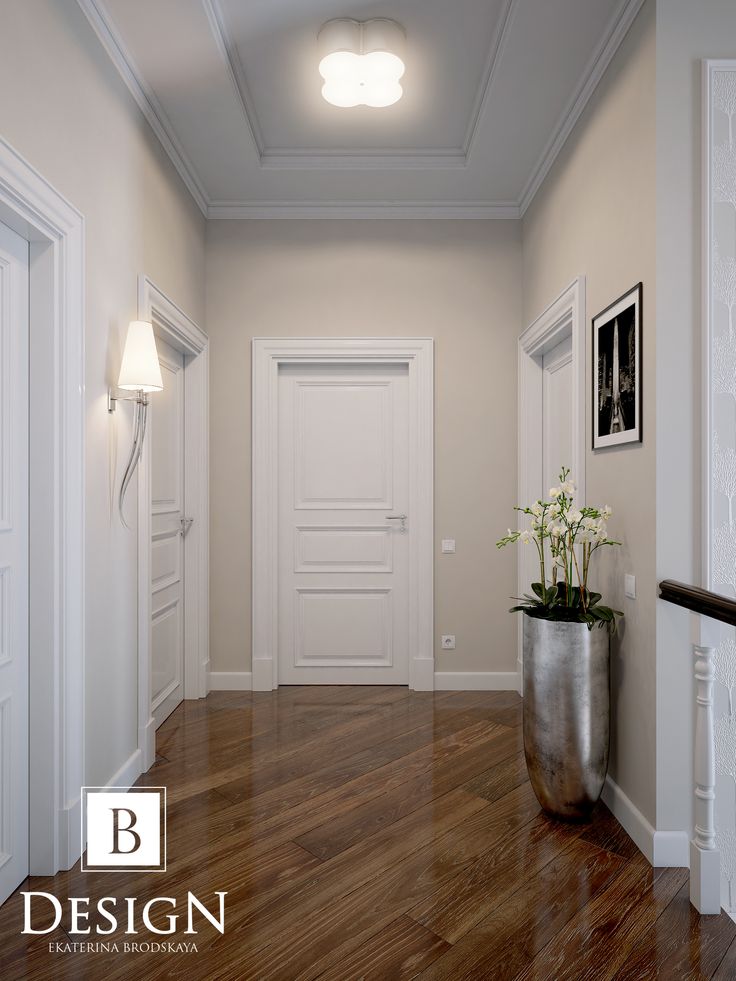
{"points": [[448, 545], [448, 642], [630, 586]]}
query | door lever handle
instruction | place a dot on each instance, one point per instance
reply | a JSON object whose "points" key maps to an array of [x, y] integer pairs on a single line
{"points": [[186, 524], [398, 517]]}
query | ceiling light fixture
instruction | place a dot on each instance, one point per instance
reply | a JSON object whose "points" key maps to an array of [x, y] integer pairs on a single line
{"points": [[361, 62]]}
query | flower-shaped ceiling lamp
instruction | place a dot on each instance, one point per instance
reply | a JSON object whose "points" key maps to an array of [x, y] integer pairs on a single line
{"points": [[361, 62]]}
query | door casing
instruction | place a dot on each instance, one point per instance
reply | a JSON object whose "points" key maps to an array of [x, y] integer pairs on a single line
{"points": [[174, 326], [564, 317], [55, 230], [268, 354]]}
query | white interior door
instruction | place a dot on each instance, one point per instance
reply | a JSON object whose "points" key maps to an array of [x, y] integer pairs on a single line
{"points": [[344, 525], [13, 561], [167, 534], [557, 381]]}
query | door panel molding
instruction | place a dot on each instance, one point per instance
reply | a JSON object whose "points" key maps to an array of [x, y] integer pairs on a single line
{"points": [[268, 355], [178, 330], [564, 317]]}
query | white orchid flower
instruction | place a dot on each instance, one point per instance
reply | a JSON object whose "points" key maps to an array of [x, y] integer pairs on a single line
{"points": [[569, 487], [525, 537], [554, 492], [607, 512], [574, 516]]}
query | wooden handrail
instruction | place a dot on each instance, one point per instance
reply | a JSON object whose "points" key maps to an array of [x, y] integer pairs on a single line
{"points": [[699, 600]]}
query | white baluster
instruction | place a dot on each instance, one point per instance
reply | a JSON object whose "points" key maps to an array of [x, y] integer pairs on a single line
{"points": [[705, 878]]}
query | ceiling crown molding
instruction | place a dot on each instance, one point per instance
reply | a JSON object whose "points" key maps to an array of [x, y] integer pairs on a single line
{"points": [[601, 59], [144, 97], [411, 159], [363, 209]]}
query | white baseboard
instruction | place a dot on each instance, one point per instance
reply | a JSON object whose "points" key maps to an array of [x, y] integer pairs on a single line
{"points": [[230, 681], [662, 849], [476, 681], [128, 773]]}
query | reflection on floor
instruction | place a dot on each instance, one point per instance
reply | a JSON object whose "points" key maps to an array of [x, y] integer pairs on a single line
{"points": [[377, 833]]}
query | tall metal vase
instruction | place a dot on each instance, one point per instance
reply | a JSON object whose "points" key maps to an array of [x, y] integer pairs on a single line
{"points": [[567, 712]]}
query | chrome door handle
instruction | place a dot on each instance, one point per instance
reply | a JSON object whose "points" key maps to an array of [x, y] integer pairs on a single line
{"points": [[398, 517], [186, 524]]}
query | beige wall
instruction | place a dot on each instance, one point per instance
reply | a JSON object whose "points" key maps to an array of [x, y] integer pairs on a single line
{"points": [[458, 282], [595, 216], [66, 110]]}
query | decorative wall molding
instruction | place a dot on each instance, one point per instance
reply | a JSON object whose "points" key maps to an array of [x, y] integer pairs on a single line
{"points": [[55, 231], [267, 355], [601, 59], [475, 681], [229, 681], [718, 494], [181, 332], [421, 158]]}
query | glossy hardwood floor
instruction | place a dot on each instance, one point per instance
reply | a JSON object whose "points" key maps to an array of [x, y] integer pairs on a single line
{"points": [[379, 833]]}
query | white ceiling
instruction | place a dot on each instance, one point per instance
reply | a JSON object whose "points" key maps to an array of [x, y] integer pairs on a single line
{"points": [[492, 89]]}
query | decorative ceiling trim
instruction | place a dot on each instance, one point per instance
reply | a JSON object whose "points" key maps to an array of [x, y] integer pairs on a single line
{"points": [[494, 56], [234, 67], [145, 99], [602, 57], [367, 209], [379, 159], [309, 158]]}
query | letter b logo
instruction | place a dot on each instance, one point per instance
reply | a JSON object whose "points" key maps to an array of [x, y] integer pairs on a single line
{"points": [[124, 830], [116, 829]]}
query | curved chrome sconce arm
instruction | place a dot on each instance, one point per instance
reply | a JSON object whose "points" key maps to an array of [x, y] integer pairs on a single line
{"points": [[140, 419]]}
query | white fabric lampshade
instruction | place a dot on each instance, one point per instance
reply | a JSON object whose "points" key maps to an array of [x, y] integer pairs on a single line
{"points": [[140, 370]]}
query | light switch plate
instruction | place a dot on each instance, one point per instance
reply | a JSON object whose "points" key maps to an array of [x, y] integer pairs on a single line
{"points": [[448, 642], [448, 545], [630, 586]]}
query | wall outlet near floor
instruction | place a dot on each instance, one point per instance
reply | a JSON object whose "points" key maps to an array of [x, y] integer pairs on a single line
{"points": [[630, 586], [448, 642]]}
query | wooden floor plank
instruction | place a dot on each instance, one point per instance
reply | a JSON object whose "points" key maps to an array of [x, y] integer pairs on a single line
{"points": [[400, 951], [380, 833], [523, 922], [681, 944]]}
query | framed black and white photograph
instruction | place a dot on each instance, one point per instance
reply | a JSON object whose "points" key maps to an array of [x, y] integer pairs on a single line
{"points": [[617, 372]]}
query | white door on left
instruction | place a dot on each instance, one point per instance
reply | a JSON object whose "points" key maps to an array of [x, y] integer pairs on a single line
{"points": [[13, 561], [167, 553]]}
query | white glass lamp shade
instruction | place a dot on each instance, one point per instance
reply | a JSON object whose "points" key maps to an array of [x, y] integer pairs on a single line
{"points": [[140, 370], [361, 63]]}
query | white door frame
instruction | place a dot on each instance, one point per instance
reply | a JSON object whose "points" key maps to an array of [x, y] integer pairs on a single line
{"points": [[177, 329], [418, 355], [55, 231], [564, 317]]}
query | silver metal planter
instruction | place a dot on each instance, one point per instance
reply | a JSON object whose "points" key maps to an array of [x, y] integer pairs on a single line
{"points": [[567, 712]]}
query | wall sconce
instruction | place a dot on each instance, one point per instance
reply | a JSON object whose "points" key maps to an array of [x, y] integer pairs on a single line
{"points": [[140, 372]]}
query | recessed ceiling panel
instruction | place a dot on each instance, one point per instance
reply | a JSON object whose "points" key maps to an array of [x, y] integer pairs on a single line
{"points": [[448, 54]]}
